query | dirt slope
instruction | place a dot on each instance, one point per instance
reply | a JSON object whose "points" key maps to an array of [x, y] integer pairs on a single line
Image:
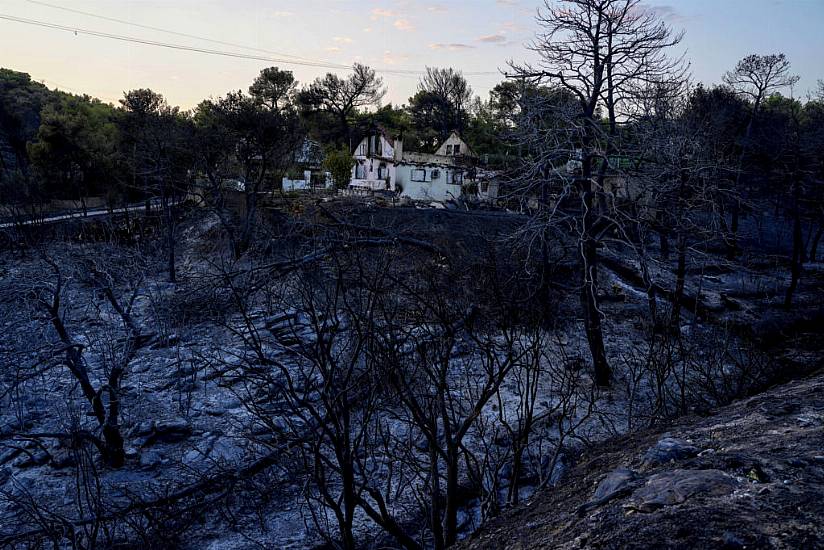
{"points": [[749, 476]]}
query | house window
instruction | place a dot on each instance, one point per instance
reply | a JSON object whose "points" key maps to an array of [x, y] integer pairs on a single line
{"points": [[418, 175], [456, 179], [436, 174], [360, 172], [362, 150], [457, 149], [382, 171], [448, 149]]}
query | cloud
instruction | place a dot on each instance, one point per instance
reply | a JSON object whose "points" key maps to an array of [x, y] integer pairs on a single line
{"points": [[453, 46], [282, 14], [507, 2], [437, 8], [332, 49], [404, 25], [511, 26], [377, 13], [392, 59], [496, 38], [342, 39], [668, 12]]}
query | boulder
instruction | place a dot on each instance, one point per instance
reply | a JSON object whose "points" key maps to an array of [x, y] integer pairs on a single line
{"points": [[617, 483], [37, 458], [669, 449], [171, 431], [150, 459], [214, 451], [677, 486]]}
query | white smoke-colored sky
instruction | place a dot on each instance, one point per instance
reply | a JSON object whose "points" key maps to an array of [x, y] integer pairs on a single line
{"points": [[476, 36]]}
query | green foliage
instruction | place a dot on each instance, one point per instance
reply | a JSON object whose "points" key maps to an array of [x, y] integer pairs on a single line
{"points": [[21, 101], [274, 88], [156, 145], [339, 163], [239, 136], [441, 104], [330, 104], [75, 150]]}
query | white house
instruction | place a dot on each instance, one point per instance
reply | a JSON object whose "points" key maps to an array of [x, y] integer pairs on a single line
{"points": [[382, 164], [307, 169]]}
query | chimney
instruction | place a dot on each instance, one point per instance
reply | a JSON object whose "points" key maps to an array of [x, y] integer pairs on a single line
{"points": [[398, 149]]}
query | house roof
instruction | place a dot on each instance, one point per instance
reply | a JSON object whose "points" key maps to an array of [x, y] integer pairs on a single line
{"points": [[309, 152], [466, 150], [411, 157]]}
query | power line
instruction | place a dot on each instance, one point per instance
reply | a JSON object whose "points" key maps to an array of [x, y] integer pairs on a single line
{"points": [[132, 39], [175, 33], [196, 49], [58, 86]]}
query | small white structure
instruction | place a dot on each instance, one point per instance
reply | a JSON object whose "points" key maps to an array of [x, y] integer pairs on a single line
{"points": [[382, 164], [488, 183], [306, 184]]}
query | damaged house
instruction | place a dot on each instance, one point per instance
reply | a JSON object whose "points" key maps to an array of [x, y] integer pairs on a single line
{"points": [[381, 163]]}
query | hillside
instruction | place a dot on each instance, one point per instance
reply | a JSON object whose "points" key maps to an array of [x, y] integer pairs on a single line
{"points": [[751, 475]]}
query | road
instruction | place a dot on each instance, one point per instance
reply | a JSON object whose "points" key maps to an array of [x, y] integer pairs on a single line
{"points": [[95, 212]]}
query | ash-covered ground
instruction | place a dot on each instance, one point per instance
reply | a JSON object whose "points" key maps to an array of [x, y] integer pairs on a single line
{"points": [[223, 401]]}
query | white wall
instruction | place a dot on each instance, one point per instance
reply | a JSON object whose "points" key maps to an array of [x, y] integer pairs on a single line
{"points": [[435, 189], [370, 171], [305, 183]]}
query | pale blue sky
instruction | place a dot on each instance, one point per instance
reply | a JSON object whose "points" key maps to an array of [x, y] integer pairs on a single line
{"points": [[472, 35]]}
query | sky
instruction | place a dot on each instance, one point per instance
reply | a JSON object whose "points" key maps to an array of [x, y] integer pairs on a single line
{"points": [[398, 37]]}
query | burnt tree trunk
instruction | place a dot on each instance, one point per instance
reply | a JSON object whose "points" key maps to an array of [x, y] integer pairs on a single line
{"points": [[798, 244]]}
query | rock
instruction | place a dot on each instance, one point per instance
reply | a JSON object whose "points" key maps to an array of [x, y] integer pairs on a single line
{"points": [[676, 486], [232, 403], [559, 469], [35, 459], [797, 463], [8, 454], [214, 410], [63, 459], [218, 450], [166, 341], [615, 482], [731, 541], [810, 420], [618, 483], [150, 459], [225, 451], [168, 431], [669, 449], [184, 371], [171, 431], [143, 428], [280, 424]]}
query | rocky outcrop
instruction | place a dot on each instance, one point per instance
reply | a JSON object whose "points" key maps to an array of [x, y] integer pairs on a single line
{"points": [[749, 476]]}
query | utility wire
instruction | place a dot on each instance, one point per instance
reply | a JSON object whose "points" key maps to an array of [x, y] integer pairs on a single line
{"points": [[175, 33], [182, 47], [61, 87]]}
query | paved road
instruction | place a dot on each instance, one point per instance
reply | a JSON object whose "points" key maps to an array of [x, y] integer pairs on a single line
{"points": [[95, 212]]}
